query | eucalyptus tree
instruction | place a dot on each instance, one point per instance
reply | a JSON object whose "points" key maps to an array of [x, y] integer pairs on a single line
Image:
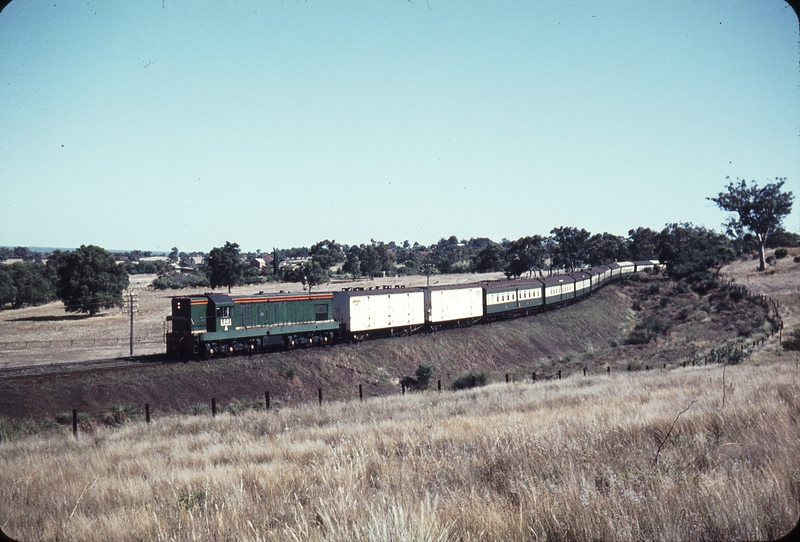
{"points": [[758, 210]]}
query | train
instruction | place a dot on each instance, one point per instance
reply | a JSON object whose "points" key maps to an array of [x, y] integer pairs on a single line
{"points": [[212, 324]]}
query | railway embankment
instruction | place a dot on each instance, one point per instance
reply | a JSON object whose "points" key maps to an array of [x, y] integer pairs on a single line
{"points": [[644, 323]]}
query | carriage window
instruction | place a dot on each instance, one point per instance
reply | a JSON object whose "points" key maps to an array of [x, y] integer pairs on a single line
{"points": [[321, 312]]}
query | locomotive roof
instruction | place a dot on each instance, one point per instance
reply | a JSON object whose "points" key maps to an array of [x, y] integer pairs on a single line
{"points": [[219, 298]]}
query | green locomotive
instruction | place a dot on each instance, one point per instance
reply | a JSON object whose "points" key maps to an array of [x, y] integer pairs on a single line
{"points": [[211, 324]]}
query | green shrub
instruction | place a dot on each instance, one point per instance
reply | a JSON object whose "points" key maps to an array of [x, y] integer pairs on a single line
{"points": [[177, 281], [781, 253], [681, 287], [793, 342], [469, 380], [647, 330], [736, 294], [238, 406], [747, 325], [797, 259], [729, 353], [65, 418], [423, 375], [6, 430]]}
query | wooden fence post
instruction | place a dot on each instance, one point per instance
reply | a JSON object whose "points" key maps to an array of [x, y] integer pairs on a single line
{"points": [[472, 382], [439, 385], [266, 399], [559, 374], [319, 392], [506, 378], [360, 393], [213, 407], [608, 369], [75, 422], [147, 412], [403, 387], [534, 376]]}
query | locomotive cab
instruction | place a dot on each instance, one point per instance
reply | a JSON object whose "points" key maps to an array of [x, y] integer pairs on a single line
{"points": [[188, 317], [220, 313]]}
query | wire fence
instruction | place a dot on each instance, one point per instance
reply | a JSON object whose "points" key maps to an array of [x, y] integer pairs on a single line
{"points": [[83, 343]]}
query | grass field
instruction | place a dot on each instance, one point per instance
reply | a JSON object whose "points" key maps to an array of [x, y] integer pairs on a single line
{"points": [[647, 456]]}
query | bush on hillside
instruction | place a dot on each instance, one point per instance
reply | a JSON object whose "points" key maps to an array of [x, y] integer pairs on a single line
{"points": [[469, 380], [729, 353], [793, 342], [423, 374], [781, 253], [647, 330], [65, 418]]}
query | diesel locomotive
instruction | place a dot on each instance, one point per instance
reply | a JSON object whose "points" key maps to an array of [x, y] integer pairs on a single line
{"points": [[212, 324]]}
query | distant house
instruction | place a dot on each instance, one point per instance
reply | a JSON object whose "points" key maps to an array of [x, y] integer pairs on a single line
{"points": [[294, 261], [258, 262], [198, 260]]}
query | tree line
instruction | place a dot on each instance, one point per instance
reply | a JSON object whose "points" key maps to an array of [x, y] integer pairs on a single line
{"points": [[87, 280], [90, 278]]}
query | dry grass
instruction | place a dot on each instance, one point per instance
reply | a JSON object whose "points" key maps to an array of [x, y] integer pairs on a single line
{"points": [[562, 460]]}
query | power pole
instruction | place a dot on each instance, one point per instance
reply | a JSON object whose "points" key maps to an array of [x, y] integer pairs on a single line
{"points": [[133, 302]]}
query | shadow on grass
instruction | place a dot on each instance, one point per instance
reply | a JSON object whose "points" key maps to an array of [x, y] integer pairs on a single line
{"points": [[62, 318]]}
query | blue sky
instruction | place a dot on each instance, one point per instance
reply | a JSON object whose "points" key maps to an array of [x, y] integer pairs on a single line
{"points": [[154, 124]]}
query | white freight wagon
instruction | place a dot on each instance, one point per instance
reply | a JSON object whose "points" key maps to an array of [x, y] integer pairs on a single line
{"points": [[626, 268], [452, 303], [361, 311]]}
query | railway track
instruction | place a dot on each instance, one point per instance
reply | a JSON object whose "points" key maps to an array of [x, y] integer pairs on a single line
{"points": [[71, 368]]}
